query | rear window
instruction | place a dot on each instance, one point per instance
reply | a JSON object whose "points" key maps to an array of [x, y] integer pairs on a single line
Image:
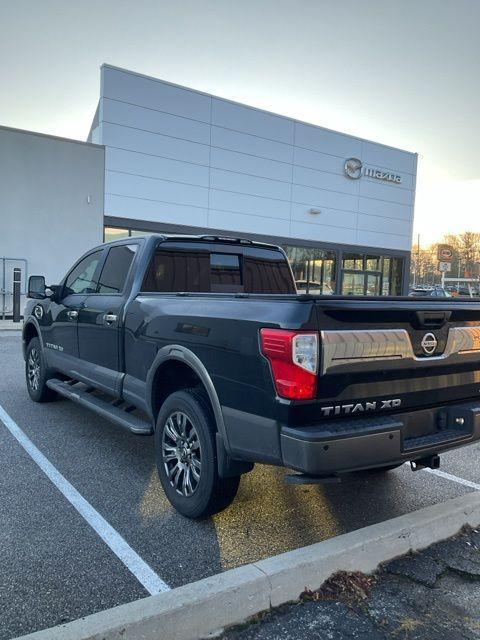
{"points": [[225, 272], [256, 270]]}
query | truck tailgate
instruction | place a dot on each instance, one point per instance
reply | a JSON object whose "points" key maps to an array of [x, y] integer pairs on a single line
{"points": [[395, 355]]}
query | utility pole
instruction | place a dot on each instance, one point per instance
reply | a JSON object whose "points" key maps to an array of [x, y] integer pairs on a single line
{"points": [[416, 273]]}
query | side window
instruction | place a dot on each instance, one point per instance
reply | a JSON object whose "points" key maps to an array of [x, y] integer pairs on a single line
{"points": [[81, 278], [116, 268], [177, 270]]}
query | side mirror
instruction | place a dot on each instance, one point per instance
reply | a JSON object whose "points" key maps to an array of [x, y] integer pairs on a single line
{"points": [[36, 287]]}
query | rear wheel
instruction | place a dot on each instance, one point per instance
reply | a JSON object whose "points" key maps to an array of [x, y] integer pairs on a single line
{"points": [[186, 456], [36, 373]]}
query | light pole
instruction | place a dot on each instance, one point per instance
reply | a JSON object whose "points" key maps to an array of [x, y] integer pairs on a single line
{"points": [[416, 273]]}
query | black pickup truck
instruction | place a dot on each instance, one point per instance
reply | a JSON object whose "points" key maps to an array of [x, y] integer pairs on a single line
{"points": [[205, 343]]}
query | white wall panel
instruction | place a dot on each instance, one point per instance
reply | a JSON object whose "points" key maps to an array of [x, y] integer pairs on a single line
{"points": [[241, 118], [325, 141], [385, 191], [154, 189], [51, 202], [323, 198], [253, 145], [154, 143], [148, 92], [383, 208], [323, 233], [242, 183], [252, 170], [246, 163], [125, 207], [383, 240], [324, 180], [156, 167], [382, 156], [318, 161], [253, 205], [330, 217], [155, 121], [250, 224], [383, 225]]}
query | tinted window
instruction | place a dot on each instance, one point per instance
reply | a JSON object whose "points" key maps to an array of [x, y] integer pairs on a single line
{"points": [[116, 267], [225, 274], [255, 271], [81, 278], [177, 270], [267, 272]]}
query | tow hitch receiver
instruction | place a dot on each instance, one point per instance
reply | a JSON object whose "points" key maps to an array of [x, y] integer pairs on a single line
{"points": [[303, 478], [430, 462]]}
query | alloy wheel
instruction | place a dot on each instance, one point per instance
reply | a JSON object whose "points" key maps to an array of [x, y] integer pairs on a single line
{"points": [[181, 453], [33, 369]]}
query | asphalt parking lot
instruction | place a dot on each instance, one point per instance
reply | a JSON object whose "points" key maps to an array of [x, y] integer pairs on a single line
{"points": [[56, 567]]}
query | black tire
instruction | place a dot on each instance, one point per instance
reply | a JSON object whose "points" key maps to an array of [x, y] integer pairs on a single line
{"points": [[207, 494], [37, 374]]}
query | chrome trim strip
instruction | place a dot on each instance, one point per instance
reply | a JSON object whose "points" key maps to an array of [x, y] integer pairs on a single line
{"points": [[352, 346]]}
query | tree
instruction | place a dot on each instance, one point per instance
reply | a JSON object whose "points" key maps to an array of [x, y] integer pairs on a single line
{"points": [[465, 262]]}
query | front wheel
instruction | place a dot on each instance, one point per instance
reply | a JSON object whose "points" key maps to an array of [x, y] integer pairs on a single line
{"points": [[186, 457], [36, 373]]}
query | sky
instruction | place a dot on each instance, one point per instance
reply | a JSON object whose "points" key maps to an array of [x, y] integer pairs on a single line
{"points": [[405, 73]]}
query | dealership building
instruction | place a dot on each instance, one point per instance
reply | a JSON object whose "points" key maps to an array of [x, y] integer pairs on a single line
{"points": [[166, 158]]}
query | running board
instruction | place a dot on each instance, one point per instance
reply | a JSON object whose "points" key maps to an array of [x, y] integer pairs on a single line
{"points": [[128, 421]]}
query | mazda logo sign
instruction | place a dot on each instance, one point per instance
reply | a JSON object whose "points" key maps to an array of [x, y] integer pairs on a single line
{"points": [[353, 168], [429, 344]]}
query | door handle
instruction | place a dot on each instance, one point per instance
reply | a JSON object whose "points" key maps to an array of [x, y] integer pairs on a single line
{"points": [[72, 315], [109, 318]]}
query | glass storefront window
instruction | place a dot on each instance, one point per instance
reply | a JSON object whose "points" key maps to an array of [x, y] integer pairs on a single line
{"points": [[386, 276], [377, 275], [313, 269], [372, 284], [373, 263], [396, 276], [352, 261], [353, 284], [113, 233], [136, 232]]}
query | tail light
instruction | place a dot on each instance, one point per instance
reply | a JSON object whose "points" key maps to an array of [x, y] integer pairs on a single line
{"points": [[293, 357]]}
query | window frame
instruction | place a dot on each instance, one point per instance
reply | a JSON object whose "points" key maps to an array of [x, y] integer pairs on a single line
{"points": [[97, 271], [129, 273]]}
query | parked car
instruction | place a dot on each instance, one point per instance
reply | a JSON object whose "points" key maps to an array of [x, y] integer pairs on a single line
{"points": [[319, 288], [417, 292], [440, 292], [204, 343], [436, 292]]}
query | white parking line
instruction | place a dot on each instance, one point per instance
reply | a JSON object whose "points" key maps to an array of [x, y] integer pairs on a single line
{"points": [[124, 552], [449, 476]]}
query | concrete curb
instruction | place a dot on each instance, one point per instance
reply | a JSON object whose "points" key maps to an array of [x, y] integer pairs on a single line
{"points": [[200, 608]]}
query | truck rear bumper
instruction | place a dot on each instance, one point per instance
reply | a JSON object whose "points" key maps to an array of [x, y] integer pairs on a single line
{"points": [[361, 443]]}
